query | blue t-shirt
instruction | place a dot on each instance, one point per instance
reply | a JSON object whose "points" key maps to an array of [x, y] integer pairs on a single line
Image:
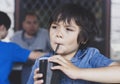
{"points": [[10, 53], [87, 58]]}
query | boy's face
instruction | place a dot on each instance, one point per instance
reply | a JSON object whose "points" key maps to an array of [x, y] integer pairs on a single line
{"points": [[3, 32], [66, 35]]}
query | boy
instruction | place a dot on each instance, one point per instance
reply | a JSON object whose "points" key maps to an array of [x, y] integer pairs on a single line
{"points": [[72, 27]]}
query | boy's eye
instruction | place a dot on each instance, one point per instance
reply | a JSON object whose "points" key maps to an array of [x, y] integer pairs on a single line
{"points": [[54, 27], [68, 29]]}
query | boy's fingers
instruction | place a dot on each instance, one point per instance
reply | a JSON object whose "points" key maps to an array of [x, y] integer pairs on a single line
{"points": [[58, 59], [37, 76], [36, 71], [38, 82]]}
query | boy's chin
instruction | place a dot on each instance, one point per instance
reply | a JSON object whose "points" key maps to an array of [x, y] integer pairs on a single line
{"points": [[60, 53]]}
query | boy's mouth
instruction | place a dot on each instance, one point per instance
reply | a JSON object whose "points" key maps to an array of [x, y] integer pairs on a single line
{"points": [[57, 47], [58, 43]]}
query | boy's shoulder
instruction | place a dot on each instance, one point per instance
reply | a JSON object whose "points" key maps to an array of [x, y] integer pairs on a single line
{"points": [[90, 51]]}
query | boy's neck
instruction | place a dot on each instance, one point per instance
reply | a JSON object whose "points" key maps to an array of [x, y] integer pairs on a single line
{"points": [[69, 56]]}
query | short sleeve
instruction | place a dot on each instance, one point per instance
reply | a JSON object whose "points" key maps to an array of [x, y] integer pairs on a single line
{"points": [[99, 60], [19, 54]]}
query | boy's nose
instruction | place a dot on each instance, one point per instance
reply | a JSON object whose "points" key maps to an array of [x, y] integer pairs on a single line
{"points": [[59, 34]]}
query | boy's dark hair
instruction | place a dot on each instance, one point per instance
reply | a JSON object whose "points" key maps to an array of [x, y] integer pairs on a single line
{"points": [[5, 20], [32, 13], [82, 17]]}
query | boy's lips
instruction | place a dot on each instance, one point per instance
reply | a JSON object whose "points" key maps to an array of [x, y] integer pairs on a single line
{"points": [[58, 43]]}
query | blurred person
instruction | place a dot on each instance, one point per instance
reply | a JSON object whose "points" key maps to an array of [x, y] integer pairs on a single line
{"points": [[72, 27], [11, 52], [33, 38]]}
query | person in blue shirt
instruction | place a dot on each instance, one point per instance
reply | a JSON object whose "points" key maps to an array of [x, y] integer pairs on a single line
{"points": [[72, 27], [11, 52]]}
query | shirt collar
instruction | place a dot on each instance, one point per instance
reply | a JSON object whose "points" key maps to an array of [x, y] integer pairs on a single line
{"points": [[79, 55]]}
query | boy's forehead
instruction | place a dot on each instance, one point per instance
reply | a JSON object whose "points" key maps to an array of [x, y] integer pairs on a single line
{"points": [[66, 22], [72, 24]]}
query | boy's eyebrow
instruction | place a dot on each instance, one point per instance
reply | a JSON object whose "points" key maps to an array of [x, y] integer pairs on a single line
{"points": [[66, 25], [55, 23], [69, 25]]}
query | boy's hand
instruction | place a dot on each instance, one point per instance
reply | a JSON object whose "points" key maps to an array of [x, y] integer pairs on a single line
{"points": [[65, 66], [37, 76]]}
